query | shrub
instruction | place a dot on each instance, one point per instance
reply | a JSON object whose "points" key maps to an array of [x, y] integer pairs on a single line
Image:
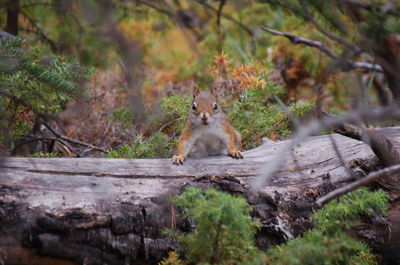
{"points": [[172, 259], [224, 230], [123, 115], [254, 120]]}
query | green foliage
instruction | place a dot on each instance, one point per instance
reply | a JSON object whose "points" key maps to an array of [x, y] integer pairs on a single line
{"points": [[254, 119], [56, 74], [316, 248], [327, 243], [124, 115], [176, 108], [157, 145], [342, 215], [172, 259], [33, 80], [224, 230]]}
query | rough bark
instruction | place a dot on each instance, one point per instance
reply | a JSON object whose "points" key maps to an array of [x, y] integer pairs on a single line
{"points": [[12, 17], [113, 211]]}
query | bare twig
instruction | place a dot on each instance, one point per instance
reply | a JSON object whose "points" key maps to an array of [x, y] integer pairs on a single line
{"points": [[316, 44], [155, 7], [40, 32], [166, 125], [72, 149], [362, 182], [228, 17], [72, 140]]}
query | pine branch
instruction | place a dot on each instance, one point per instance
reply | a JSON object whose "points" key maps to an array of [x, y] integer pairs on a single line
{"points": [[12, 46], [72, 140]]}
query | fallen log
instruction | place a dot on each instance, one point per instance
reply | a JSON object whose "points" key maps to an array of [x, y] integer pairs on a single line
{"points": [[113, 211]]}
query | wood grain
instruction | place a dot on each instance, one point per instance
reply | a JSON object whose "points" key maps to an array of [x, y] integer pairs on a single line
{"points": [[113, 210]]}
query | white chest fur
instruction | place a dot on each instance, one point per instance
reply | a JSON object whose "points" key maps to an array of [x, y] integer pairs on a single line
{"points": [[208, 140]]}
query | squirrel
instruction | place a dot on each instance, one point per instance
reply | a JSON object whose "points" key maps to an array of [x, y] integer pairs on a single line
{"points": [[207, 131]]}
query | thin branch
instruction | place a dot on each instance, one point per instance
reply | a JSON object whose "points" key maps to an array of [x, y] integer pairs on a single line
{"points": [[340, 157], [219, 12], [72, 140], [316, 44], [155, 7], [366, 6], [47, 139], [327, 33], [226, 16], [40, 32], [389, 171]]}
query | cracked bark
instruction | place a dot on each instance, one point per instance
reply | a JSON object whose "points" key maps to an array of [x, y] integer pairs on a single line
{"points": [[113, 211]]}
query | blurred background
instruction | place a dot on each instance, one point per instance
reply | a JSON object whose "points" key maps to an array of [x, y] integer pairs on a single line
{"points": [[114, 78]]}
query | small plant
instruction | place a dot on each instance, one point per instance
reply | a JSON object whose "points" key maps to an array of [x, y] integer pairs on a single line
{"points": [[224, 229], [45, 155], [124, 116], [158, 145], [172, 259]]}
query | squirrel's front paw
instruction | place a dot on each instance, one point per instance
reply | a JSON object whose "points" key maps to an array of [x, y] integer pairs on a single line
{"points": [[178, 159], [236, 154]]}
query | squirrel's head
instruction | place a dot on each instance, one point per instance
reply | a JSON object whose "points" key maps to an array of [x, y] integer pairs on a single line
{"points": [[205, 108]]}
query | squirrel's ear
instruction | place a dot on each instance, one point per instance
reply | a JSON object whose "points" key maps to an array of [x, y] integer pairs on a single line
{"points": [[196, 91], [214, 91]]}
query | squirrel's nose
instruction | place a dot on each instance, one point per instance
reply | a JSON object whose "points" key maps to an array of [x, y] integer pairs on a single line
{"points": [[204, 116]]}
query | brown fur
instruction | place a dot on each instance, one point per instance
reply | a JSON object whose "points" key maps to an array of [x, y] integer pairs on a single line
{"points": [[207, 130]]}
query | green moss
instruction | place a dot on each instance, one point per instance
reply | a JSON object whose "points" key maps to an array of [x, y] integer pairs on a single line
{"points": [[316, 248], [327, 243], [342, 214]]}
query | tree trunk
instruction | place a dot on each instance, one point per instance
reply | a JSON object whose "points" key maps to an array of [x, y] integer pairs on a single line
{"points": [[12, 17], [113, 211]]}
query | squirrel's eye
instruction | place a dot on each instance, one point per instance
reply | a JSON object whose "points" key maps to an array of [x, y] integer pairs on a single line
{"points": [[215, 106], [194, 106]]}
